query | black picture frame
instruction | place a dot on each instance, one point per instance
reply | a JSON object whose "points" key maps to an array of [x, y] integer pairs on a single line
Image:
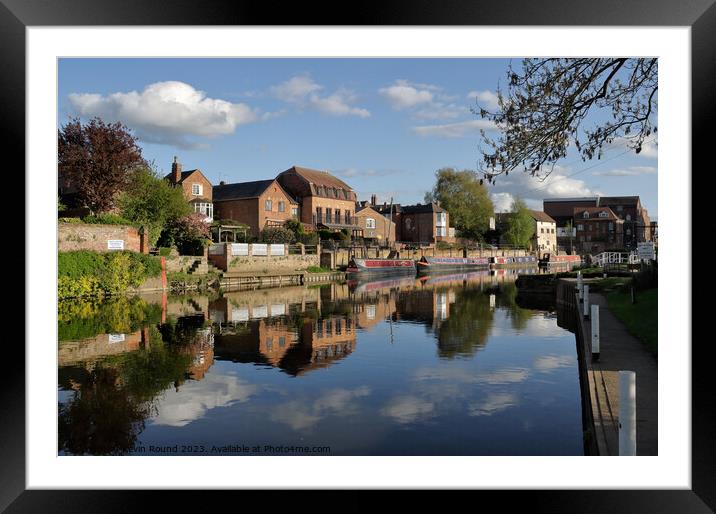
{"points": [[16, 15]]}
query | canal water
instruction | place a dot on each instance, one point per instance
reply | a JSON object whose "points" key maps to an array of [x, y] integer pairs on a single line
{"points": [[444, 365]]}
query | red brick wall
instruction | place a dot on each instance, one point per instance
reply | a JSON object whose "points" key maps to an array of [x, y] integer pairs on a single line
{"points": [[84, 236]]}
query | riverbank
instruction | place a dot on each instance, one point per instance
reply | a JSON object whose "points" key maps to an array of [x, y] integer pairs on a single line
{"points": [[619, 351]]}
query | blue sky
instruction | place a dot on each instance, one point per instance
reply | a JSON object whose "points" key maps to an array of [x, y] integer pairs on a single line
{"points": [[382, 125]]}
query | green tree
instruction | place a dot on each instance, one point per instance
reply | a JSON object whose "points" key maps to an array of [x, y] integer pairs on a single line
{"points": [[520, 225], [465, 198], [547, 101], [151, 201]]}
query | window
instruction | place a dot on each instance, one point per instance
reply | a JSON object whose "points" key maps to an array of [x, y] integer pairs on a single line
{"points": [[268, 204], [348, 217], [553, 231], [603, 214], [541, 230], [628, 217], [620, 208], [319, 215], [207, 209], [329, 215], [585, 215], [440, 231], [196, 189], [294, 212], [338, 216], [440, 219], [281, 206], [369, 223], [580, 227], [611, 226]]}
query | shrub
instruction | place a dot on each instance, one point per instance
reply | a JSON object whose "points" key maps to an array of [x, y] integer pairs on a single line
{"points": [[165, 251], [647, 277], [84, 273], [107, 219], [277, 235], [189, 233], [69, 220], [307, 238]]}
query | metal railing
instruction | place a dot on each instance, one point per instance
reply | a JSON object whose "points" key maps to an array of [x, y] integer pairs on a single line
{"points": [[606, 258]]}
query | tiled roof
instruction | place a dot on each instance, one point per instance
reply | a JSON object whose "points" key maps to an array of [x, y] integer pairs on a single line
{"points": [[594, 213], [241, 190], [541, 216], [184, 175], [320, 178], [420, 208], [618, 200]]}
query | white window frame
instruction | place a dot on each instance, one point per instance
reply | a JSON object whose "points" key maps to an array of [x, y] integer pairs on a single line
{"points": [[370, 223], [269, 204], [197, 189]]}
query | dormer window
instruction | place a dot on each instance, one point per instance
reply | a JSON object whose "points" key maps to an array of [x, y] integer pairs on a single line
{"points": [[603, 214], [585, 215], [196, 189]]}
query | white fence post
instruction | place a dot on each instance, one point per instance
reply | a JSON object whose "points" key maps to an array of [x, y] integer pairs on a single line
{"points": [[627, 413], [580, 285], [595, 332], [586, 301]]}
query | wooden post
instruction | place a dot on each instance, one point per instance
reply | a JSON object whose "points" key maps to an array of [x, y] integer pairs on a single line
{"points": [[627, 413], [595, 332], [586, 301]]}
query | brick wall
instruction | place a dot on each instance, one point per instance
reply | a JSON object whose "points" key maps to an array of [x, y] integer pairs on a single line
{"points": [[84, 236]]}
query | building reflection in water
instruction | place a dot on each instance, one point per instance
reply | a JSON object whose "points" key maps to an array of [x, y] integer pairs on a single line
{"points": [[110, 380]]}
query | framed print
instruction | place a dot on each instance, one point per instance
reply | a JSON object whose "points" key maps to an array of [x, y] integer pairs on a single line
{"points": [[414, 248]]}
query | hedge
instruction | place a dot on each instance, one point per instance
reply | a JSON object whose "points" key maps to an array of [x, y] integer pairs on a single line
{"points": [[87, 273]]}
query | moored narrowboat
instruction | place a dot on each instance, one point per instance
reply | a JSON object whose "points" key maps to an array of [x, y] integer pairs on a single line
{"points": [[426, 264], [509, 262], [551, 259], [380, 266]]}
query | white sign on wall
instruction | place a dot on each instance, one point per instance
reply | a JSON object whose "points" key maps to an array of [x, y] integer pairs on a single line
{"points": [[115, 244], [259, 249], [239, 249], [115, 338], [277, 249]]}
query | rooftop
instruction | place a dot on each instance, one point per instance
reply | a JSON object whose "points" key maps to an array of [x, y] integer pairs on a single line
{"points": [[242, 190]]}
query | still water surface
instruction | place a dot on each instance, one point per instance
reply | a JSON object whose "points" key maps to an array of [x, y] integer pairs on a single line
{"points": [[448, 365]]}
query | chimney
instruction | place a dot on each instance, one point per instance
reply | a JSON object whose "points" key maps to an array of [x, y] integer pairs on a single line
{"points": [[222, 183], [176, 170], [373, 200]]}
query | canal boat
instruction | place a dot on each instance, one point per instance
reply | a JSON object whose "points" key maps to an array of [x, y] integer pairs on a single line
{"points": [[427, 264], [362, 267], [505, 262], [551, 259]]}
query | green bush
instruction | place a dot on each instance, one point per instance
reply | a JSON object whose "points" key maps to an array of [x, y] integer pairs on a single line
{"points": [[69, 220], [85, 273], [165, 251], [277, 235], [107, 219]]}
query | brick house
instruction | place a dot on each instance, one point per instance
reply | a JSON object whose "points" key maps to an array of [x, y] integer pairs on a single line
{"points": [[637, 225], [324, 201], [258, 204], [545, 234], [419, 223], [598, 229], [374, 225], [196, 187]]}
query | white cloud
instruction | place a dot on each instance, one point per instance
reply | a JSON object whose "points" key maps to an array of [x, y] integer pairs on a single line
{"points": [[296, 88], [627, 172], [649, 149], [338, 104], [304, 92], [403, 94], [502, 202], [166, 112], [548, 363], [485, 99], [303, 414], [495, 402], [195, 398], [407, 409], [357, 173], [459, 129]]}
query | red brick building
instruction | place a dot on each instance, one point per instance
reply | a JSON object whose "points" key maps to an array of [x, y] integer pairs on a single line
{"points": [[324, 201], [196, 187], [258, 204], [420, 223], [598, 229]]}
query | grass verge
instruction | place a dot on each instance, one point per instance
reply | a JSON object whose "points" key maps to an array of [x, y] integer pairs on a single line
{"points": [[639, 318]]}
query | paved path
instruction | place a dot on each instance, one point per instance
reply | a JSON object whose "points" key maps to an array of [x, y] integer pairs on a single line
{"points": [[619, 350]]}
